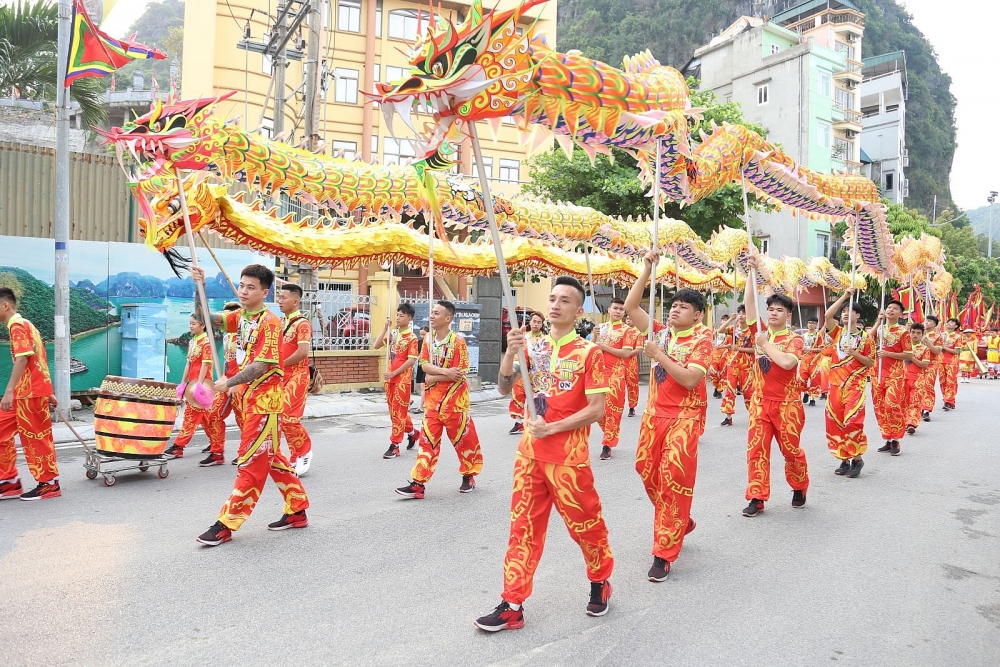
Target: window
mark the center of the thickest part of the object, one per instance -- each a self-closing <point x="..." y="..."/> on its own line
<point x="825" y="83"/>
<point x="889" y="108"/>
<point x="890" y="181"/>
<point x="347" y="86"/>
<point x="508" y="120"/>
<point x="403" y="23"/>
<point x="510" y="170"/>
<point x="765" y="244"/>
<point x="762" y="94"/>
<point x="824" y="131"/>
<point x="487" y="164"/>
<point x="349" y="15"/>
<point x="846" y="49"/>
<point x="374" y="147"/>
<point x="393" y="74"/>
<point x="727" y="98"/>
<point x="349" y="148"/>
<point x="267" y="128"/>
<point x="823" y="245"/>
<point x="844" y="99"/>
<point x="398" y="151"/>
<point x="378" y="18"/>
<point x="775" y="48"/>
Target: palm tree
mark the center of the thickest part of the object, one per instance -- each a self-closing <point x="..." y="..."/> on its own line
<point x="28" y="58"/>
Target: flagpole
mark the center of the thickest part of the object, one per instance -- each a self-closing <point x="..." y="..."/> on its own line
<point x="61" y="285"/>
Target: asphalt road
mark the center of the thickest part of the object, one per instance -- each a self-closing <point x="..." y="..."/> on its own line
<point x="898" y="567"/>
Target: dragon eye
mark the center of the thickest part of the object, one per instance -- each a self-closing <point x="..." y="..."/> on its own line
<point x="157" y="126"/>
<point x="437" y="69"/>
<point x="441" y="66"/>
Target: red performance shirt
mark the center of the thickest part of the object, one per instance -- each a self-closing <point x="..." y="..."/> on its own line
<point x="25" y="341"/>
<point x="920" y="353"/>
<point x="295" y="331"/>
<point x="447" y="397"/>
<point x="402" y="348"/>
<point x="569" y="370"/>
<point x="615" y="335"/>
<point x="257" y="339"/>
<point x="772" y="382"/>
<point x="846" y="371"/>
<point x="199" y="354"/>
<point x="896" y="338"/>
<point x="691" y="349"/>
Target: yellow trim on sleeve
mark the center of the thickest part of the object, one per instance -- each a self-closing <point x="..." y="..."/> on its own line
<point x="25" y="354"/>
<point x="599" y="390"/>
<point x="699" y="367"/>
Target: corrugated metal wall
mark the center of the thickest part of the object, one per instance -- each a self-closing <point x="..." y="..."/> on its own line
<point x="101" y="208"/>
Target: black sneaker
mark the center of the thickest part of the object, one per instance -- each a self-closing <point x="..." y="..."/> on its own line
<point x="910" y="429"/>
<point x="925" y="415"/>
<point x="502" y="618"/>
<point x="412" y="490"/>
<point x="174" y="452"/>
<point x="805" y="398"/>
<point x="798" y="498"/>
<point x="43" y="491"/>
<point x="212" y="460"/>
<point x="716" y="394"/>
<point x="754" y="508"/>
<point x="605" y="453"/>
<point x="235" y="461"/>
<point x="887" y="447"/>
<point x="207" y="450"/>
<point x="296" y="520"/>
<point x="843" y="469"/>
<point x="822" y="397"/>
<point x="411" y="441"/>
<point x="895" y="448"/>
<point x="600" y="598"/>
<point x="516" y="429"/>
<point x="812" y="402"/>
<point x="728" y="421"/>
<point x="468" y="484"/>
<point x="392" y="452"/>
<point x="215" y="535"/>
<point x="856" y="466"/>
<point x="631" y="412"/>
<point x="659" y="571"/>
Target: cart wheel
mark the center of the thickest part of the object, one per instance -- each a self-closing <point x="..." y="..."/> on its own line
<point x="110" y="480"/>
<point x="91" y="474"/>
<point x="162" y="472"/>
<point x="143" y="468"/>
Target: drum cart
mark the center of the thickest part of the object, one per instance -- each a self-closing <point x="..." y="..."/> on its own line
<point x="97" y="463"/>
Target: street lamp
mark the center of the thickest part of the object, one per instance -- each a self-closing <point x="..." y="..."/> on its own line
<point x="992" y="198"/>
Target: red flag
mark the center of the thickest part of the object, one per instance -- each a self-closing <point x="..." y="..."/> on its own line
<point x="92" y="53"/>
<point x="971" y="316"/>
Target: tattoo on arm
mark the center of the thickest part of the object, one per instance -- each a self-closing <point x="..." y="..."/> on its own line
<point x="505" y="383"/>
<point x="253" y="371"/>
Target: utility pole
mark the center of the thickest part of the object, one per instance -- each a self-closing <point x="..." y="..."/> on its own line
<point x="313" y="98"/>
<point x="278" y="65"/>
<point x="989" y="200"/>
<point x="61" y="287"/>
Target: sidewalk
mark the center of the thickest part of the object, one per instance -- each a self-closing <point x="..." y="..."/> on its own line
<point x="317" y="407"/>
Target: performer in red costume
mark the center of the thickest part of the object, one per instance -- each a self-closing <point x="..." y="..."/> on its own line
<point x="296" y="341"/>
<point x="24" y="410"/>
<point x="739" y="338"/>
<point x="951" y="344"/>
<point x="536" y="322"/>
<point x="632" y="366"/>
<point x="403" y="355"/>
<point x="261" y="400"/>
<point x="932" y="341"/>
<point x="776" y="410"/>
<point x="552" y="465"/>
<point x="889" y="376"/>
<point x="919" y="378"/>
<point x="445" y="360"/>
<point x="614" y="340"/>
<point x="667" y="456"/>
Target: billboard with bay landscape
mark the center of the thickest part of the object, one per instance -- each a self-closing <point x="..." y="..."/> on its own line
<point x="103" y="278"/>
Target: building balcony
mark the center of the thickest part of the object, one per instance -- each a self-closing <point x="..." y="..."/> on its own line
<point x="851" y="72"/>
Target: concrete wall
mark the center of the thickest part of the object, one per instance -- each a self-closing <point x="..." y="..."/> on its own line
<point x="489" y="295"/>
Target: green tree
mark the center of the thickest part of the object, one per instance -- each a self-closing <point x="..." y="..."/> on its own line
<point x="615" y="189"/>
<point x="29" y="57"/>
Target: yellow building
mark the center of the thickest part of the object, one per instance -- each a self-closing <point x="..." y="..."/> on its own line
<point x="364" y="42"/>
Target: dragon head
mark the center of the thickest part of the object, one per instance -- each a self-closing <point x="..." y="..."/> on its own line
<point x="176" y="135"/>
<point x="475" y="70"/>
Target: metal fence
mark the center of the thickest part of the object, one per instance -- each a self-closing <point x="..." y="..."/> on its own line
<point x="340" y="320"/>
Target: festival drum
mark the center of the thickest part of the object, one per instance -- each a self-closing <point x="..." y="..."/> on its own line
<point x="134" y="418"/>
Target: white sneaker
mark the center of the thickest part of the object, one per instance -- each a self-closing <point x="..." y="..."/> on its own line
<point x="303" y="462"/>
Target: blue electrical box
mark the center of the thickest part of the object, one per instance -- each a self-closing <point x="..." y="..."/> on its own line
<point x="144" y="341"/>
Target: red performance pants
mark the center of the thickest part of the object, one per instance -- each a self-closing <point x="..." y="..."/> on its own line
<point x="783" y="422"/>
<point x="845" y="420"/>
<point x="718" y="368"/>
<point x="930" y="395"/>
<point x="632" y="381"/>
<point x="517" y="400"/>
<point x="537" y="487"/>
<point x="462" y="433"/>
<point x="949" y="381"/>
<point x="30" y="419"/>
<point x="211" y="421"/>
<point x="296" y="390"/>
<point x="667" y="460"/>
<point x="916" y="396"/>
<point x="889" y="399"/>
<point x="816" y="374"/>
<point x="259" y="456"/>
<point x="614" y="405"/>
<point x="737" y="377"/>
<point x="397" y="394"/>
